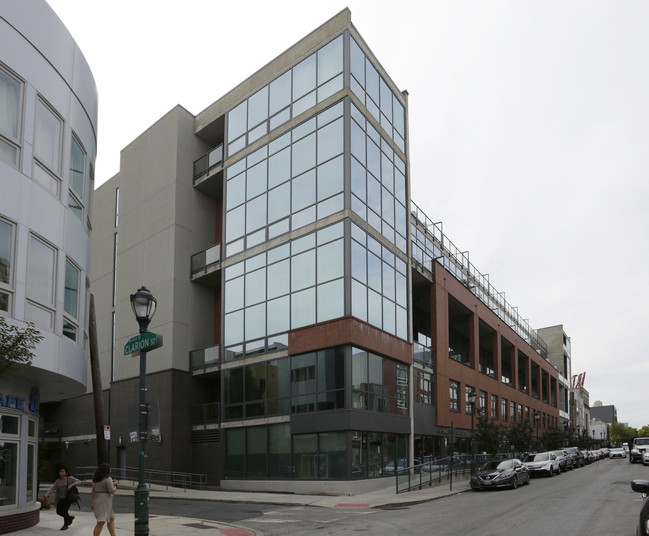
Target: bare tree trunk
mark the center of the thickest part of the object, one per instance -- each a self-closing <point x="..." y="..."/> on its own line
<point x="97" y="393"/>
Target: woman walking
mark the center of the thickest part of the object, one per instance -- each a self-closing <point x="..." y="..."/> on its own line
<point x="103" y="489"/>
<point x="60" y="488"/>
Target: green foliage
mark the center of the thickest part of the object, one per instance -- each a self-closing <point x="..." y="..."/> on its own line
<point x="619" y="433"/>
<point x="487" y="435"/>
<point x="644" y="431"/>
<point x="553" y="439"/>
<point x="17" y="345"/>
<point x="520" y="436"/>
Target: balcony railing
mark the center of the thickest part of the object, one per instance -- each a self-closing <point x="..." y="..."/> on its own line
<point x="204" y="260"/>
<point x="422" y="354"/>
<point x="205" y="359"/>
<point x="204" y="414"/>
<point x="209" y="161"/>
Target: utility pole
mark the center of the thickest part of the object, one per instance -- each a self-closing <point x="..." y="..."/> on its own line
<point x="97" y="392"/>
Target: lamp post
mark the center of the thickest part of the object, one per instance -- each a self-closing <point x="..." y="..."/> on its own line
<point x="537" y="418"/>
<point x="593" y="438"/>
<point x="472" y="397"/>
<point x="144" y="305"/>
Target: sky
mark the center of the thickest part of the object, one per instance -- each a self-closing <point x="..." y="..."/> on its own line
<point x="529" y="136"/>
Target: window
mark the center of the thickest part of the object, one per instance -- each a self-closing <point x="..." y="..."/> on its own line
<point x="424" y="387"/>
<point x="454" y="395"/>
<point x="503" y="409"/>
<point x="77" y="169"/>
<point x="494" y="407"/>
<point x="6" y="263"/>
<point x="512" y="411"/>
<point x="483" y="402"/>
<point x="47" y="148"/>
<point x="467" y="402"/>
<point x="41" y="268"/>
<point x="71" y="301"/>
<point x="10" y="114"/>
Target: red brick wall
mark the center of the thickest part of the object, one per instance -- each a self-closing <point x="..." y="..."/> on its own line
<point x="23" y="520"/>
<point x="348" y="330"/>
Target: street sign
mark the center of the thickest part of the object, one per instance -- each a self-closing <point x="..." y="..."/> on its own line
<point x="143" y="343"/>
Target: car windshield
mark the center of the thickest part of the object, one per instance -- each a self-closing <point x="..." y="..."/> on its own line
<point x="643" y="441"/>
<point x="542" y="457"/>
<point x="497" y="464"/>
<point x="558" y="453"/>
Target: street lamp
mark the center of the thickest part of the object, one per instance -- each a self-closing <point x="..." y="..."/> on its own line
<point x="472" y="397"/>
<point x="537" y="418"/>
<point x="144" y="306"/>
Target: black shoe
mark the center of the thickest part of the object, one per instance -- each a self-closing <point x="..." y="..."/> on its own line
<point x="71" y="520"/>
<point x="64" y="527"/>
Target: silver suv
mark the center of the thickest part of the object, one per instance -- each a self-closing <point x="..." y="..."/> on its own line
<point x="638" y="447"/>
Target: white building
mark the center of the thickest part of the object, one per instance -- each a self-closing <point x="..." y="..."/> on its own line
<point x="48" y="137"/>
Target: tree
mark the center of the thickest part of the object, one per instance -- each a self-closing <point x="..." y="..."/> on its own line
<point x="17" y="345"/>
<point x="619" y="433"/>
<point x="644" y="431"/>
<point x="487" y="435"/>
<point x="553" y="439"/>
<point x="520" y="436"/>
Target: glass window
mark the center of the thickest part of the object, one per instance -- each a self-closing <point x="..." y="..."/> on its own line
<point x="278" y="205"/>
<point x="303" y="155"/>
<point x="280" y="93"/>
<point x="330" y="261"/>
<point x="279" y="167"/>
<point x="304" y="77"/>
<point x="71" y="297"/>
<point x="9" y="471"/>
<point x="237" y="121"/>
<point x="303" y="308"/>
<point x="303" y="270"/>
<point x="40" y="272"/>
<point x="255" y="322"/>
<point x="331" y="178"/>
<point x="256" y="180"/>
<point x="330" y="60"/>
<point x="233" y="328"/>
<point x="278" y="316"/>
<point x="255" y="287"/>
<point x="330" y="141"/>
<point x="10" y="89"/>
<point x="258" y="107"/>
<point x="6" y="249"/>
<point x="256" y="214"/>
<point x="331" y="300"/>
<point x="303" y="191"/>
<point x="235" y="223"/>
<point x="47" y="137"/>
<point x="77" y="167"/>
<point x="236" y="191"/>
<point x="234" y="294"/>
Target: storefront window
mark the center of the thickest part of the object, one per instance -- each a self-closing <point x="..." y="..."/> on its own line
<point x="8" y="471"/>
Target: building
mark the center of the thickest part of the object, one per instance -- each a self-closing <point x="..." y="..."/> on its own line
<point x="559" y="354"/>
<point x="607" y="414"/>
<point x="48" y="126"/>
<point x="320" y="330"/>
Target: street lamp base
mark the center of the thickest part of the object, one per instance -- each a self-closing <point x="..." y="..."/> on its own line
<point x="142" y="510"/>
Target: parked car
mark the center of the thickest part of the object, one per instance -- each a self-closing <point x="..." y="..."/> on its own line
<point x="578" y="459"/>
<point x="499" y="474"/>
<point x="565" y="460"/>
<point x="618" y="452"/>
<point x="642" y="486"/>
<point x="542" y="463"/>
<point x="638" y="448"/>
<point x="645" y="457"/>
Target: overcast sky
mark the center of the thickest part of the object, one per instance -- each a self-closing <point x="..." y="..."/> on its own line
<point x="529" y="136"/>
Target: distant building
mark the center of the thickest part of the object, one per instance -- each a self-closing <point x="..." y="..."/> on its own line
<point x="607" y="414"/>
<point x="320" y="330"/>
<point x="559" y="355"/>
<point x="48" y="126"/>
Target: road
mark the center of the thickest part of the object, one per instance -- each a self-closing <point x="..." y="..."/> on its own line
<point x="595" y="500"/>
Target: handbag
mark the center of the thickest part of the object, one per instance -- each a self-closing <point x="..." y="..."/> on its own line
<point x="73" y="496"/>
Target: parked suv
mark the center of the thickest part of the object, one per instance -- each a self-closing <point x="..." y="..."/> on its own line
<point x="638" y="447"/>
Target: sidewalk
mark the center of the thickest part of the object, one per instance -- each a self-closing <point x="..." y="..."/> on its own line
<point x="84" y="521"/>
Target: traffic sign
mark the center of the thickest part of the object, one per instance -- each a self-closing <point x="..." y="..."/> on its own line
<point x="143" y="343"/>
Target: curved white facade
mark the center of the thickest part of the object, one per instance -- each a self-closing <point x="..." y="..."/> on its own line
<point x="48" y="143"/>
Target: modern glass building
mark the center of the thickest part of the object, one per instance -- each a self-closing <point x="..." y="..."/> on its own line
<point x="315" y="321"/>
<point x="48" y="125"/>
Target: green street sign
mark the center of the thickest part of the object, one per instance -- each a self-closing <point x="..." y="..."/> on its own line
<point x="143" y="343"/>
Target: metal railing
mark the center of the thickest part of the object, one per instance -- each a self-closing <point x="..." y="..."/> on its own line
<point x="205" y="359"/>
<point x="434" y="245"/>
<point x="209" y="161"/>
<point x="152" y="476"/>
<point x="202" y="261"/>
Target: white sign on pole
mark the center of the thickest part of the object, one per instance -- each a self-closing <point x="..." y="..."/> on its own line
<point x="106" y="431"/>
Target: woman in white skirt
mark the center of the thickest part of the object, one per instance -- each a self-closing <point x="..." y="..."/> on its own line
<point x="103" y="489"/>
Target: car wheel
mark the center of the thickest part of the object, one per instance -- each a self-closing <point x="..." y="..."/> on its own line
<point x="515" y="482"/>
<point x="527" y="481"/>
<point x="551" y="472"/>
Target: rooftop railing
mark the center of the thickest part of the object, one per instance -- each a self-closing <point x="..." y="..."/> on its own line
<point x="205" y="359"/>
<point x="204" y="260"/>
<point x="437" y="247"/>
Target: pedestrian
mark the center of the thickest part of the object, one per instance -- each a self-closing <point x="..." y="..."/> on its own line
<point x="103" y="489"/>
<point x="61" y="489"/>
